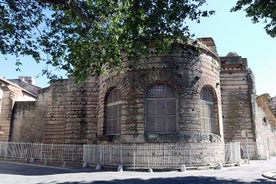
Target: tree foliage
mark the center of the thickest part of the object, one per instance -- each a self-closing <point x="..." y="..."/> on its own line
<point x="85" y="36"/>
<point x="260" y="10"/>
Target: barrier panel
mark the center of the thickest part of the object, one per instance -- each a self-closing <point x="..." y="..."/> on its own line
<point x="154" y="155"/>
<point x="131" y="155"/>
<point x="37" y="151"/>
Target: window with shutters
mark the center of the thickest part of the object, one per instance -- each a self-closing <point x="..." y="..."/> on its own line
<point x="207" y="110"/>
<point x="160" y="104"/>
<point x="113" y="111"/>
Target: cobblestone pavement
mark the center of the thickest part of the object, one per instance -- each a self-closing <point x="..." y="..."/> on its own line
<point x="17" y="173"/>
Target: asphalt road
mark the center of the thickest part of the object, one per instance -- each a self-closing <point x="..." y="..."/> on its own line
<point x="16" y="173"/>
<point x="21" y="169"/>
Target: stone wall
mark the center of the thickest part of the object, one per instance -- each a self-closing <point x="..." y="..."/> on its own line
<point x="273" y="104"/>
<point x="23" y="128"/>
<point x="6" y="113"/>
<point x="265" y="127"/>
<point x="75" y="113"/>
<point x="72" y="112"/>
<point x="10" y="93"/>
<point x="55" y="122"/>
<point x="185" y="70"/>
<point x="29" y="119"/>
<point x="81" y="112"/>
<point x="238" y="98"/>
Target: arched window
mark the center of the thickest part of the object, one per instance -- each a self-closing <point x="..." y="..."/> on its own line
<point x="113" y="112"/>
<point x="160" y="104"/>
<point x="207" y="110"/>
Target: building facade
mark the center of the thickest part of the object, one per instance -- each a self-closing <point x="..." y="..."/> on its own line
<point x="189" y="95"/>
<point x="171" y="98"/>
<point x="10" y="94"/>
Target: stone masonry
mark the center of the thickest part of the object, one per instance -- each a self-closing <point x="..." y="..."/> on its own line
<point x="238" y="98"/>
<point x="10" y="93"/>
<point x="205" y="98"/>
<point x="76" y="113"/>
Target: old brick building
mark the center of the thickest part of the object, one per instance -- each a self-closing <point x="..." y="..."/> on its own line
<point x="188" y="95"/>
<point x="265" y="125"/>
<point x="172" y="98"/>
<point x="246" y="118"/>
<point x="10" y="94"/>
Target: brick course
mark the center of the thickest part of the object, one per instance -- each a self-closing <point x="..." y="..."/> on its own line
<point x="75" y="113"/>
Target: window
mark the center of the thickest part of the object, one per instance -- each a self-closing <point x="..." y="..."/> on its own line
<point x="113" y="112"/>
<point x="207" y="110"/>
<point x="160" y="104"/>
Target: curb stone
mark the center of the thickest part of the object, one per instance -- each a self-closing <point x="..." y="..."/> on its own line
<point x="270" y="175"/>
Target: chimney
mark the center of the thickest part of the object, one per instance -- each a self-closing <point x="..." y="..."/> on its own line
<point x="27" y="79"/>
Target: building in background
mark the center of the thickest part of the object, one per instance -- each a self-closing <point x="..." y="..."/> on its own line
<point x="10" y="94"/>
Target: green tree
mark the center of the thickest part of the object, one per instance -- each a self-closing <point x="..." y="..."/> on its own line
<point x="260" y="10"/>
<point x="82" y="36"/>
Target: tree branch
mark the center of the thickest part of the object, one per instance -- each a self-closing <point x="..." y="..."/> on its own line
<point x="74" y="7"/>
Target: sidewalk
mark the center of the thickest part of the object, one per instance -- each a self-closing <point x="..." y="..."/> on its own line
<point x="270" y="175"/>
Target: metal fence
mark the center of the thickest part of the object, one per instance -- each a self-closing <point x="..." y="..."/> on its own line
<point x="249" y="150"/>
<point x="37" y="151"/>
<point x="236" y="151"/>
<point x="154" y="155"/>
<point x="136" y="155"/>
<point x="232" y="152"/>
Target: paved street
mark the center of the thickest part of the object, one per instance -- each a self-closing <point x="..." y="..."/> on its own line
<point x="16" y="173"/>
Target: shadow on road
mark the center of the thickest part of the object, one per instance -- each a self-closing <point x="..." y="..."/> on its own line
<point x="34" y="170"/>
<point x="177" y="180"/>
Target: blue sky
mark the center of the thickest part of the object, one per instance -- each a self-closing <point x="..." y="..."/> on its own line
<point x="232" y="32"/>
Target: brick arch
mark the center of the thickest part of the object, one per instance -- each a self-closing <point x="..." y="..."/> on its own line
<point x="160" y="108"/>
<point x="215" y="94"/>
<point x="204" y="104"/>
<point x="212" y="83"/>
<point x="112" y="112"/>
<point x="159" y="82"/>
<point x="107" y="84"/>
